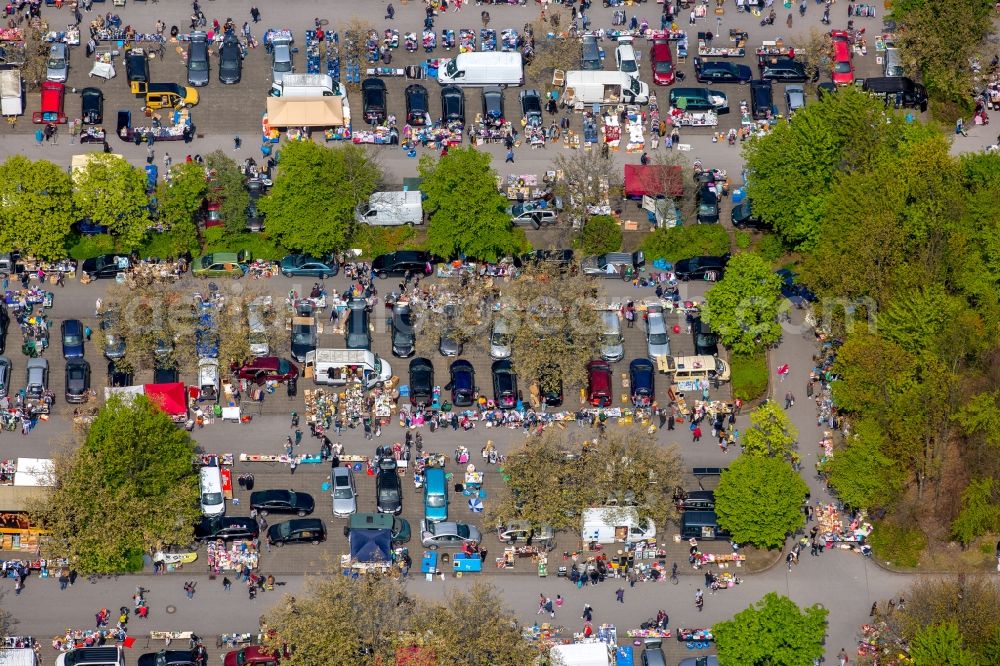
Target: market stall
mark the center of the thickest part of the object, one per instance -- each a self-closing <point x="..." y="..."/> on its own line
<point x="653" y="180"/>
<point x="235" y="556"/>
<point x="181" y="128"/>
<point x="22" y="481"/>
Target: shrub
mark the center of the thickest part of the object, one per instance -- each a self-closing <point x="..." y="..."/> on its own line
<point x="743" y="240"/>
<point x="167" y="244"/>
<point x="373" y="241"/>
<point x="771" y="247"/>
<point x="899" y="545"/>
<point x="749" y="375"/>
<point x="85" y="247"/>
<point x="601" y="234"/>
<point x="683" y="242"/>
<point x="217" y="239"/>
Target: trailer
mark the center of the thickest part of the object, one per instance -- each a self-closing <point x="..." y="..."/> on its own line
<point x="11" y="93"/>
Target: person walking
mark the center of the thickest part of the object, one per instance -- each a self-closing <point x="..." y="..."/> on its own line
<point x="699" y="599"/>
<point x="237" y="142"/>
<point x="549" y="607"/>
<point x="255" y="14"/>
<point x="227" y="584"/>
<point x="842" y="657"/>
<point x="789" y="400"/>
<point x="671" y="421"/>
<point x="390" y="12"/>
<point x="696" y="433"/>
<point x="541" y="604"/>
<point x="588" y="613"/>
<point x="620" y="595"/>
<point x="510" y="156"/>
<point x="189" y="588"/>
<point x="61" y="279"/>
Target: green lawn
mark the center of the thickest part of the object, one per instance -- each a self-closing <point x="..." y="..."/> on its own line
<point x="749" y="376"/>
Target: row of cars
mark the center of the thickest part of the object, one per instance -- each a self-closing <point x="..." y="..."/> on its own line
<point x="374" y="103"/>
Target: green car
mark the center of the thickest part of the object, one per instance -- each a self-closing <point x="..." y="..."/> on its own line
<point x="221" y="264"/>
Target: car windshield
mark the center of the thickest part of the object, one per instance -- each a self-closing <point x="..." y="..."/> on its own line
<point x="436" y="501"/>
<point x="501" y="339"/>
<point x="198" y="65"/>
<point x="629" y="64"/>
<point x="707" y="208"/>
<point x="56" y="62"/>
<point x="663" y="67"/>
<point x="658" y="339"/>
<point x="211" y="498"/>
<point x="285" y="66"/>
<point x="344" y="491"/>
<point x="387" y="494"/>
<point x="462" y="531"/>
<point x="76" y="374"/>
<point x="283" y="366"/>
<point x="303" y="335"/>
<point x="842" y="67"/>
<point x="284" y="529"/>
<point x="610" y="339"/>
<point x="705" y="339"/>
<point x="73" y="339"/>
<point x="452" y="68"/>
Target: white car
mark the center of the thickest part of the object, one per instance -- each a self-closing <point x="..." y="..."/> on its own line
<point x="626" y="58"/>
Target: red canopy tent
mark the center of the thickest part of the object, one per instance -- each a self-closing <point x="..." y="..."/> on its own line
<point x="171" y="398"/>
<point x="653" y="180"/>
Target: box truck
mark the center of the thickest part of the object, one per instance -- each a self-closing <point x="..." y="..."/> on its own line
<point x="614" y="524"/>
<point x="604" y="88"/>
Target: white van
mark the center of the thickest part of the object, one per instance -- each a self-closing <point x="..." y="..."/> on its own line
<point x="690" y="373"/>
<point x="213" y="502"/>
<point x="601" y="87"/>
<point x="613" y="524"/>
<point x="18" y="657"/>
<point x="612" y="347"/>
<point x="93" y="656"/>
<point x="581" y="654"/>
<point x="391" y="209"/>
<point x="480" y="68"/>
<point x="336" y="367"/>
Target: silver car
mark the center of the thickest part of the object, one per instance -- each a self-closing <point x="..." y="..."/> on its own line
<point x="500" y="338"/>
<point x="57" y="66"/>
<point x="795" y="99"/>
<point x="281" y="60"/>
<point x="345" y="495"/>
<point x="612" y="341"/>
<point x="6" y="367"/>
<point x="448" y="535"/>
<point x="657" y="340"/>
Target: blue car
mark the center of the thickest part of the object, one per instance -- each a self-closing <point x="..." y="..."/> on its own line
<point x="294" y="265"/>
<point x="206" y="338"/>
<point x="640" y="373"/>
<point x="462" y="384"/>
<point x="72" y="338"/>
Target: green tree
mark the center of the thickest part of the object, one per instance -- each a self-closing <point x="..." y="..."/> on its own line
<point x="775" y="632"/>
<point x="36" y="207"/>
<point x="128" y="489"/>
<point x="968" y="601"/>
<point x="941" y="645"/>
<point x="111" y="192"/>
<point x="743" y="306"/>
<point x="759" y="501"/>
<point x="863" y="476"/>
<point x="601" y="234"/>
<point x="468" y="215"/>
<point x="179" y="202"/>
<point x="980" y="511"/>
<point x="771" y="433"/>
<point x="227" y="188"/>
<point x="586" y="184"/>
<point x="681" y="242"/>
<point x="322" y="185"/>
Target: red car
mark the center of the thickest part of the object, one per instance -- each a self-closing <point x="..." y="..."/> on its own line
<point x="53" y="100"/>
<point x="662" y="62"/>
<point x="252" y="655"/>
<point x="267" y="369"/>
<point x="599" y="383"/>
<point x="843" y="69"/>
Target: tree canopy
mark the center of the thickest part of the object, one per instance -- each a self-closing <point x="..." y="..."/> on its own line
<point x="128" y="489"/>
<point x="227" y="188"/>
<point x="111" y="192"/>
<point x="601" y="234"/>
<point x="468" y="215"/>
<point x="759" y="501"/>
<point x="743" y="307"/>
<point x="36" y="207"/>
<point x="771" y="432"/>
<point x="774" y="632"/>
<point x="179" y="200"/>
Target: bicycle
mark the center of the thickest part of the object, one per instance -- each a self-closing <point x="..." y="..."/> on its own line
<point x="673" y="575"/>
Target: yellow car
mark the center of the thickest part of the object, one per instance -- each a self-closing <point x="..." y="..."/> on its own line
<point x="170" y="96"/>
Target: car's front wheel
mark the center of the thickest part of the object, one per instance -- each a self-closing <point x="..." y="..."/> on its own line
<point x="301" y="513"/>
<point x="433" y="546"/>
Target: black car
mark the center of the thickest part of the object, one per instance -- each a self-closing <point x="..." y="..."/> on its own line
<point x="703" y="267"/>
<point x="120" y="376"/>
<point x="230" y="60"/>
<point x="105" y="266"/>
<point x="388" y="489"/>
<point x="721" y="71"/>
<point x="417" y="105"/>
<point x="226" y="527"/>
<point x="399" y="263"/>
<point x="357" y="334"/>
<point x="421" y="381"/>
<point x="282" y="501"/>
<point x="743" y="217"/>
<point x="794" y="291"/>
<point x="373" y="100"/>
<point x="297" y="530"/>
<point x="563" y="259"/>
<point x="462" y="383"/>
<point x="255" y="218"/>
<point x="92" y="106"/>
<point x="4" y="325"/>
<point x="493" y="107"/>
<point x="550" y="385"/>
<point x="162" y="375"/>
<point x="403" y="333"/>
<point x="761" y="100"/>
<point x="785" y="69"/>
<point x="77" y="380"/>
<point x="504" y="384"/>
<point x="452" y="104"/>
<point x="708" y="204"/>
<point x="531" y="106"/>
<point x="168" y="658"/>
<point x="706" y="341"/>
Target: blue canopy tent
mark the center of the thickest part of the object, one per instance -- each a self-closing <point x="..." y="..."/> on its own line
<point x="371" y="546"/>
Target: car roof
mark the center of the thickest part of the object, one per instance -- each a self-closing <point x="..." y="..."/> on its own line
<point x="841" y="50"/>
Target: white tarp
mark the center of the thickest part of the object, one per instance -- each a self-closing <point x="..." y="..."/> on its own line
<point x="11" y="93"/>
<point x="34" y="472"/>
<point x="125" y="391"/>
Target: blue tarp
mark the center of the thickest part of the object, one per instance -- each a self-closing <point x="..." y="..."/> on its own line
<point x="371" y="546"/>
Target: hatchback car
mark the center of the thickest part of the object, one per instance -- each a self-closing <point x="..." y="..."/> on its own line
<point x="72" y="338"/>
<point x="706" y="341"/>
<point x="721" y="71"/>
<point x="451" y="342"/>
<point x="709" y="268"/>
<point x="743" y="218"/>
<point x="282" y="501"/>
<point x="591" y="53"/>
<point x="36" y="377"/>
<point x="297" y="530"/>
<point x="520" y="530"/>
<point x="221" y="264"/>
<point x="304" y="265"/>
<point x="226" y="527"/>
<point x="206" y="337"/>
<point x="493" y="106"/>
<point x="162" y="374"/>
<point x="402" y="262"/>
<point x="708" y="205"/>
<point x="267" y="368"/>
<point x="373" y="100"/>
<point x="657" y="340"/>
<point x="197" y="59"/>
<point x="357" y="335"/>
<point x="345" y="494"/>
<point x="661" y="62"/>
<point x="599" y="384"/>
<point x="504" y="384"/>
<point x="77" y="380"/>
<point x="388" y="489"/>
<point x="640" y="374"/>
<point x="795" y="99"/>
<point x="452" y="104"/>
<point x="421" y="382"/>
<point x="120" y="375"/>
<point x="230" y="60"/>
<point x="842" y="73"/>
<point x="417" y="105"/>
<point x="6" y="368"/>
<point x="281" y="60"/>
<point x="535" y="214"/>
<point x="462" y="383"/>
<point x="105" y="266"/>
<point x="448" y="535"/>
<point x="626" y="59"/>
<point x="57" y="65"/>
<point x="402" y="331"/>
<point x="550" y="385"/>
<point x="531" y="106"/>
<point x="92" y="106"/>
<point x="501" y="337"/>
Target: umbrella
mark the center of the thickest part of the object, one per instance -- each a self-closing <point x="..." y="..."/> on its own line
<point x="476" y="505"/>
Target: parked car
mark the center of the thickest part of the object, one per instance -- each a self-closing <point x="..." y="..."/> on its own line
<point x="504" y="384"/>
<point x="282" y="501"/>
<point x="842" y="67"/>
<point x="641" y="382"/>
<point x="761" y="100"/>
<point x="708" y="204"/>
<point x="450" y="343"/>
<point x="169" y="658"/>
<point x="399" y="528"/>
<point x="252" y="655"/>
<point x="221" y="264"/>
<point x="501" y="337"/>
<point x="657" y="339"/>
<point x="794" y="291"/>
<point x="77" y="380"/>
<point x="421" y="381"/>
<point x="57" y="66"/>
<point x="520" y="530"/>
<point x="599" y="392"/>
<point x="120" y="376"/>
<point x="197" y="59"/>
<point x="704" y="268"/>
<point x="105" y="266"/>
<point x="304" y="336"/>
<point x="206" y="337"/>
<point x="161" y="375"/>
<point x="743" y="217"/>
<point x="281" y="60"/>
<point x="358" y="335"/>
<point x="612" y="264"/>
<point x="305" y="265"/>
<point x="230" y="60"/>
<point x="452" y="104"/>
<point x="417" y="105"/>
<point x="661" y="61"/>
<point x="226" y="527"/>
<point x="550" y="385"/>
<point x="448" y="534"/>
<point x="706" y="341"/>
<point x="92" y="106"/>
<point x="114" y="343"/>
<point x="535" y="214"/>
<point x="784" y="69"/>
<point x="36" y="378"/>
<point x="493" y="114"/>
<point x="345" y="494"/>
<point x="267" y="368"/>
<point x="625" y="57"/>
<point x="399" y="263"/>
<point x="795" y="99"/>
<point x="531" y="106"/>
<point x="297" y="530"/>
<point x="6" y="368"/>
<point x="53" y="104"/>
<point x="373" y="100"/>
<point x="4" y="326"/>
<point x="388" y="489"/>
<point x="721" y="71"/>
<point x="402" y="331"/>
<point x="462" y="383"/>
<point x="72" y="338"/>
<point x="255" y="217"/>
